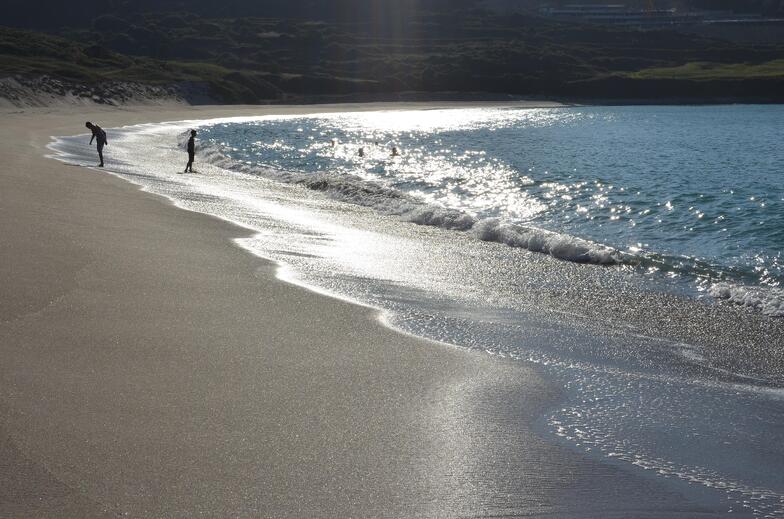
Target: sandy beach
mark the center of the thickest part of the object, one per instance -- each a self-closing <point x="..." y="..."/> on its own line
<point x="152" y="368"/>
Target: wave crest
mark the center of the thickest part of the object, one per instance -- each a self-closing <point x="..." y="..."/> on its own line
<point x="561" y="246"/>
<point x="391" y="201"/>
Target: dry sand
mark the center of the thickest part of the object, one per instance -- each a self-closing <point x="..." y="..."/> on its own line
<point x="151" y="368"/>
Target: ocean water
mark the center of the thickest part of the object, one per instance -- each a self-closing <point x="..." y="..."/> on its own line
<point x="634" y="254"/>
<point x="692" y="192"/>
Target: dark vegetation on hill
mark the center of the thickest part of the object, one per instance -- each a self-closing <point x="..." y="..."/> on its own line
<point x="53" y="14"/>
<point x="242" y="51"/>
<point x="763" y="7"/>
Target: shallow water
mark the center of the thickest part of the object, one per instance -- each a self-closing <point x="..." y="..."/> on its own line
<point x="658" y="374"/>
<point x="696" y="192"/>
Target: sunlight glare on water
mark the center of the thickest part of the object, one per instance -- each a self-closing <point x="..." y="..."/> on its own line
<point x="697" y="196"/>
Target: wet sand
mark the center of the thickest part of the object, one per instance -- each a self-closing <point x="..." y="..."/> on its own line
<point x="152" y="368"/>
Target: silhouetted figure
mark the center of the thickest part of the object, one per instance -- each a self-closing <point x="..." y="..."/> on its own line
<point x="100" y="139"/>
<point x="394" y="151"/>
<point x="361" y="152"/>
<point x="191" y="152"/>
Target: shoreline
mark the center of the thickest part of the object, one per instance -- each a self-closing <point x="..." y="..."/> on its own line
<point x="138" y="380"/>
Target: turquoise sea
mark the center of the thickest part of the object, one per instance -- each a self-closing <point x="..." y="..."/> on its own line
<point x="693" y="192"/>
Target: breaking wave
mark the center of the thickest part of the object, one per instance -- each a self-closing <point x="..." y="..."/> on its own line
<point x="561" y="246"/>
<point x="390" y="201"/>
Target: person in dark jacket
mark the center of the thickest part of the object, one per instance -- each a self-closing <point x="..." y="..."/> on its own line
<point x="191" y="152"/>
<point x="100" y="139"/>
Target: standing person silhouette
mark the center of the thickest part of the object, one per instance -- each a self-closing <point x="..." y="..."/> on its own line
<point x="100" y="139"/>
<point x="191" y="152"/>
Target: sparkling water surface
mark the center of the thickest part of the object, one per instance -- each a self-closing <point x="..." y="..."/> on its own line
<point x="693" y="191"/>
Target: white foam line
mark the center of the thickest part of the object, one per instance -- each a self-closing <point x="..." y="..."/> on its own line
<point x="283" y="271"/>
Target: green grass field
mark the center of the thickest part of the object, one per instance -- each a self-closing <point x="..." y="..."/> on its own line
<point x="714" y="71"/>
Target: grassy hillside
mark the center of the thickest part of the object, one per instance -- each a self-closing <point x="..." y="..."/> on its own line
<point x="252" y="59"/>
<point x="29" y="53"/>
<point x="705" y="71"/>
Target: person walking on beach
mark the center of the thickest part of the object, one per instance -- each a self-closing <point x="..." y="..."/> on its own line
<point x="100" y="139"/>
<point x="191" y="152"/>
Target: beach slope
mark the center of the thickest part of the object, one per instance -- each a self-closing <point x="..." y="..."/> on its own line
<point x="152" y="368"/>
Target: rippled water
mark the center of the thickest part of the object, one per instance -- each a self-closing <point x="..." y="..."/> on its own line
<point x="689" y="191"/>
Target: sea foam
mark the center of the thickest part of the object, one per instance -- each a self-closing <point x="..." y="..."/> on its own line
<point x="769" y="301"/>
<point x="390" y="201"/>
<point x="558" y="245"/>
